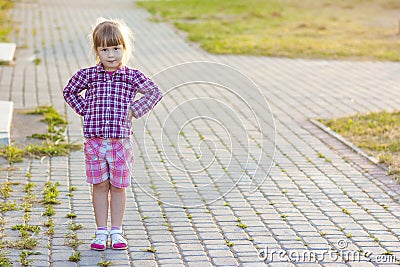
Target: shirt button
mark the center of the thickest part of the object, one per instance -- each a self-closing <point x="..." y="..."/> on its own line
<point x="107" y="122"/>
<point x="108" y="108"/>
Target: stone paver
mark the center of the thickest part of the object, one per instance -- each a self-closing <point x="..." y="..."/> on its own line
<point x="201" y="152"/>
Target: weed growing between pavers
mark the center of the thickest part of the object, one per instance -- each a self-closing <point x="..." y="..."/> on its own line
<point x="5" y="193"/>
<point x="71" y="240"/>
<point x="37" y="61"/>
<point x="53" y="142"/>
<point x="5" y="190"/>
<point x="150" y="249"/>
<point x="75" y="257"/>
<point x="229" y="243"/>
<point x="28" y="233"/>
<point x="12" y="153"/>
<point x="377" y="133"/>
<point x="71" y="237"/>
<point x="50" y="195"/>
<point x="9" y="206"/>
<point x="105" y="263"/>
<point x="24" y="257"/>
<point x="71" y="189"/>
<point x="4" y="261"/>
<point x="240" y="224"/>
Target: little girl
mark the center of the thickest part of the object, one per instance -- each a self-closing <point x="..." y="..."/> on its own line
<point x="107" y="110"/>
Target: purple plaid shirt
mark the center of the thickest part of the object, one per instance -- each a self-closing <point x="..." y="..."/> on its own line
<point x="109" y="98"/>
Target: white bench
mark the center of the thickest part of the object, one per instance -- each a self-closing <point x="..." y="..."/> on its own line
<point x="6" y="114"/>
<point x="7" y="51"/>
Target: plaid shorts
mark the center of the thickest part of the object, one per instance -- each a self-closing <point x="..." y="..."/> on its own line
<point x="108" y="158"/>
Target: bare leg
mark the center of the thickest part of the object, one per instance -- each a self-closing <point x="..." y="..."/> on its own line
<point x="100" y="202"/>
<point x="117" y="202"/>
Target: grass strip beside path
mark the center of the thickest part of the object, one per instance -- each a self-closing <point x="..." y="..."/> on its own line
<point x="329" y="29"/>
<point x="5" y="25"/>
<point x="53" y="142"/>
<point x="376" y="133"/>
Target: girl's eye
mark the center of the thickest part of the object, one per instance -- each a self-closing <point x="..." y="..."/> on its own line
<point x="116" y="48"/>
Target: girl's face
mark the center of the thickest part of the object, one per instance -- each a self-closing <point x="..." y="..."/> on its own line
<point x="110" y="56"/>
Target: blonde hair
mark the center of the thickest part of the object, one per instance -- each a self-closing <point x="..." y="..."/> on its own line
<point x="112" y="32"/>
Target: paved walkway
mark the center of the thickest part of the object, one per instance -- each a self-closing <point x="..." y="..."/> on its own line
<point x="192" y="199"/>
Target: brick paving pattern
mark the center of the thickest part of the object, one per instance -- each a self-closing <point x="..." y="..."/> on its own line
<point x="191" y="198"/>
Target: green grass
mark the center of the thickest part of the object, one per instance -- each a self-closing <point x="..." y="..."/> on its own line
<point x="23" y="257"/>
<point x="50" y="193"/>
<point x="70" y="215"/>
<point x="50" y="149"/>
<point x="229" y="243"/>
<point x="150" y="249"/>
<point x="5" y="24"/>
<point x="75" y="257"/>
<point x="8" y="206"/>
<point x="73" y="226"/>
<point x="4" y="260"/>
<point x="242" y="225"/>
<point x="53" y="143"/>
<point x="55" y="122"/>
<point x="23" y="243"/>
<point x="71" y="240"/>
<point x="353" y="29"/>
<point x="26" y="228"/>
<point x="49" y="211"/>
<point x="5" y="190"/>
<point x="105" y="263"/>
<point x="12" y="153"/>
<point x="378" y="134"/>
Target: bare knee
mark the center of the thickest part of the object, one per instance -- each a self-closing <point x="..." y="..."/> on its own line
<point x="116" y="190"/>
<point x="103" y="187"/>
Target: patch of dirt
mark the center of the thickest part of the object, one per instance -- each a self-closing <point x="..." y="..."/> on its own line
<point x="24" y="125"/>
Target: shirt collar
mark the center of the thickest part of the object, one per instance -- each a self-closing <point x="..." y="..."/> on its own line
<point x="120" y="70"/>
